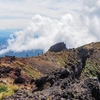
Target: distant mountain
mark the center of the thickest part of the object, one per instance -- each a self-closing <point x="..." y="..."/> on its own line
<point x="24" y="53"/>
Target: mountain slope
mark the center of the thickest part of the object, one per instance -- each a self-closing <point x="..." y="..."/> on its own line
<point x="71" y="74"/>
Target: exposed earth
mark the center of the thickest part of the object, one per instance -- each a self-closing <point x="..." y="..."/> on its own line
<point x="59" y="74"/>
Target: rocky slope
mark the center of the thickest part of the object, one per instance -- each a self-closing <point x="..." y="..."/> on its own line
<point x="72" y="74"/>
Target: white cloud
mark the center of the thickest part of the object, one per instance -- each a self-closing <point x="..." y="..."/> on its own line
<point x="26" y="9"/>
<point x="44" y="32"/>
<point x="13" y="24"/>
<point x="91" y="17"/>
<point x="76" y="28"/>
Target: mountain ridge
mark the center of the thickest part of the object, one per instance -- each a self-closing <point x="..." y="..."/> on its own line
<point x="76" y="72"/>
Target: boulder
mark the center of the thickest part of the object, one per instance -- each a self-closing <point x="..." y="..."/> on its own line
<point x="19" y="80"/>
<point x="40" y="82"/>
<point x="58" y="47"/>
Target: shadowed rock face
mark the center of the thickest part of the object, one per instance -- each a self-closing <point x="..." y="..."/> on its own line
<point x="52" y="77"/>
<point x="58" y="47"/>
<point x="63" y="88"/>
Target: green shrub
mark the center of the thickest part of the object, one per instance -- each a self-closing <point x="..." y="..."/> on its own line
<point x="3" y="88"/>
<point x="7" y="90"/>
<point x="90" y="69"/>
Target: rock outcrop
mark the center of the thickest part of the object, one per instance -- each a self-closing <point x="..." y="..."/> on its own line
<point x="19" y="80"/>
<point x="58" y="47"/>
<point x="55" y="87"/>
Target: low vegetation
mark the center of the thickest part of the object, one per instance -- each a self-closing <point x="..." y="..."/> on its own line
<point x="83" y="61"/>
<point x="7" y="90"/>
<point x="91" y="69"/>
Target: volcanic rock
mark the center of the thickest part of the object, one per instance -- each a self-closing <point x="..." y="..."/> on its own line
<point x="19" y="80"/>
<point x="58" y="47"/>
<point x="72" y="74"/>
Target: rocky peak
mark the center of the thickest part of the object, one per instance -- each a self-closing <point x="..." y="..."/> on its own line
<point x="58" y="47"/>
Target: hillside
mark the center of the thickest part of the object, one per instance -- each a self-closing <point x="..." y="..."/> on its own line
<point x="70" y="74"/>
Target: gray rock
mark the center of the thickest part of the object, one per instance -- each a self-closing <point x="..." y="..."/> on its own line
<point x="58" y="47"/>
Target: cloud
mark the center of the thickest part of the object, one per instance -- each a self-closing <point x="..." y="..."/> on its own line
<point x="91" y="17"/>
<point x="26" y="9"/>
<point x="13" y="23"/>
<point x="73" y="28"/>
<point x="43" y="32"/>
<point x="91" y="8"/>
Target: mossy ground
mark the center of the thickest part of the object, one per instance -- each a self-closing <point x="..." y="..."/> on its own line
<point x="28" y="70"/>
<point x="7" y="90"/>
<point x="95" y="45"/>
<point x="90" y="69"/>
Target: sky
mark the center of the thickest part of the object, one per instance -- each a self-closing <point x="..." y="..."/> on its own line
<point x="46" y="22"/>
<point x="18" y="13"/>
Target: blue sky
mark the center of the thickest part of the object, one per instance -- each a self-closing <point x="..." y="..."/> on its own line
<point x="75" y="22"/>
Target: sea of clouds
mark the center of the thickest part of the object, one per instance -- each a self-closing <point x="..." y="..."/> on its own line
<point x="42" y="32"/>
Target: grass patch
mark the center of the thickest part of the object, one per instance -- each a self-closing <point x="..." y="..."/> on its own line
<point x="90" y="69"/>
<point x="61" y="59"/>
<point x="31" y="72"/>
<point x="3" y="88"/>
<point x="7" y="90"/>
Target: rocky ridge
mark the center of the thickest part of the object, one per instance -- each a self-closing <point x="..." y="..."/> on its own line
<point x="74" y="76"/>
